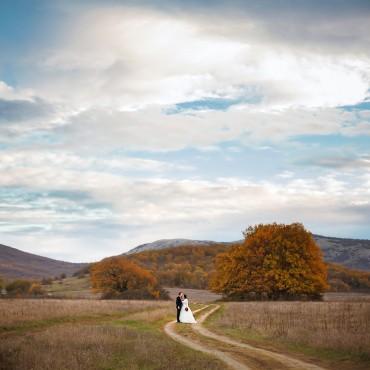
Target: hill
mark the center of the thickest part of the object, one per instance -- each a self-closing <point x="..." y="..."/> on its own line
<point x="352" y="253"/>
<point x="170" y="243"/>
<point x="18" y="264"/>
<point x="190" y="266"/>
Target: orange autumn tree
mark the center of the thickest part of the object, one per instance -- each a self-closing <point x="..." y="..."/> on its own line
<point x="274" y="261"/>
<point x="118" y="277"/>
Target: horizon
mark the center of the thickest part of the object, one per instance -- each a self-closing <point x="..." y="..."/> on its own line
<point x="123" y="122"/>
<point x="155" y="241"/>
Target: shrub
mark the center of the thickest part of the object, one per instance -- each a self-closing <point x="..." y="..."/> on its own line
<point x="118" y="277"/>
<point x="18" y="288"/>
<point x="46" y="281"/>
<point x="277" y="260"/>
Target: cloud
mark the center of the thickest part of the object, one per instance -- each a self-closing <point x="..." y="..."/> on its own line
<point x="23" y="110"/>
<point x="153" y="130"/>
<point x="81" y="204"/>
<point x="145" y="210"/>
<point x="127" y="58"/>
<point x="100" y="102"/>
<point x="351" y="162"/>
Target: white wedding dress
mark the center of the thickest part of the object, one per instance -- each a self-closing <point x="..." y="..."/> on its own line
<point x="186" y="316"/>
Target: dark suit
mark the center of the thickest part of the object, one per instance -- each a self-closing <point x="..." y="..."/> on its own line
<point x="178" y="307"/>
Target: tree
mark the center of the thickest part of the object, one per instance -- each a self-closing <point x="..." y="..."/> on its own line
<point x="118" y="277"/>
<point x="36" y="290"/>
<point x="275" y="260"/>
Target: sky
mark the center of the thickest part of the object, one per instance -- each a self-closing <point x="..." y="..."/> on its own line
<point x="124" y="122"/>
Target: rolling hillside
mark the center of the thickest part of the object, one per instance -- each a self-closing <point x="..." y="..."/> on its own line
<point x="17" y="264"/>
<point x="191" y="266"/>
<point x="352" y="253"/>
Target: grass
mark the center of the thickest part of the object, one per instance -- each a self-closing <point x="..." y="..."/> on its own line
<point x="87" y="334"/>
<point x="335" y="332"/>
<point x="71" y="287"/>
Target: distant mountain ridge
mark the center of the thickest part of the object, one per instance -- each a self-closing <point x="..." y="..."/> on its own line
<point x="15" y="264"/>
<point x="353" y="253"/>
<point x="171" y="243"/>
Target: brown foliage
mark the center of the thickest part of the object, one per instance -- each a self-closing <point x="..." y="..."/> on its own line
<point x="274" y="261"/>
<point x="187" y="266"/>
<point x="36" y="290"/>
<point x="343" y="279"/>
<point x="118" y="277"/>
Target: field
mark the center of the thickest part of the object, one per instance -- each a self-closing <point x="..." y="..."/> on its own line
<point x="99" y="334"/>
<point x="87" y="334"/>
<point x="337" y="333"/>
<point x="71" y="287"/>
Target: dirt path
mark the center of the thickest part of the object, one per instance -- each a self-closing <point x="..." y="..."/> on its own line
<point x="233" y="352"/>
<point x="228" y="359"/>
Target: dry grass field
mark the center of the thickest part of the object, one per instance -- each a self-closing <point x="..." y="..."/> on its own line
<point x="71" y="287"/>
<point x="337" y="331"/>
<point x="86" y="334"/>
<point x="99" y="334"/>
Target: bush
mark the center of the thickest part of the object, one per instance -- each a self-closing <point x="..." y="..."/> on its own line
<point x="277" y="260"/>
<point x="118" y="277"/>
<point x="46" y="281"/>
<point x="18" y="288"/>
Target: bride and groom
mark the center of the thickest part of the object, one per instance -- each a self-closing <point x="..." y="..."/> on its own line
<point x="184" y="313"/>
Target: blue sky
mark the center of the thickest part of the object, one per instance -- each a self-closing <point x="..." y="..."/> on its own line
<point x="126" y="122"/>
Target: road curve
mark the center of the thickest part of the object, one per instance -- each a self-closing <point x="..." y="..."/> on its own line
<point x="289" y="362"/>
<point x="228" y="358"/>
<point x="169" y="329"/>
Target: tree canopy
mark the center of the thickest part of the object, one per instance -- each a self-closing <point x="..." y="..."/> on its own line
<point x="274" y="261"/>
<point x="118" y="277"/>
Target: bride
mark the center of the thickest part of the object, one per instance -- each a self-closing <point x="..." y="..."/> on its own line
<point x="186" y="316"/>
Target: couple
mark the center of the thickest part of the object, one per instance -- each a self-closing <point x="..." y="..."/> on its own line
<point x="184" y="313"/>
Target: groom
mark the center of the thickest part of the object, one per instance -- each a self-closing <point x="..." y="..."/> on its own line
<point x="179" y="305"/>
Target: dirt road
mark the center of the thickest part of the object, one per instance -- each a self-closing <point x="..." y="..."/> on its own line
<point x="235" y="354"/>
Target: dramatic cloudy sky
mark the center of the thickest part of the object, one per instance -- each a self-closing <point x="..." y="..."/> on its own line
<point x="123" y="122"/>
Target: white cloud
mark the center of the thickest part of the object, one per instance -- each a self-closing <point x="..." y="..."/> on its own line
<point x="151" y="129"/>
<point x="126" y="58"/>
<point x="110" y="76"/>
<point x="154" y="207"/>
